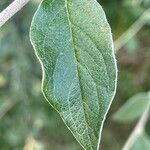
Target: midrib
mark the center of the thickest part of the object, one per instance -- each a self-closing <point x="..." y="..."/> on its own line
<point x="72" y="41"/>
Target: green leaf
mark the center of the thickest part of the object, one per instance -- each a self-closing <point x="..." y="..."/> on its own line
<point x="142" y="142"/>
<point x="132" y="46"/>
<point x="133" y="108"/>
<point x="73" y="42"/>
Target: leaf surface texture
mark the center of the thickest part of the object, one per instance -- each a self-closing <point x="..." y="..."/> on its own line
<point x="73" y="42"/>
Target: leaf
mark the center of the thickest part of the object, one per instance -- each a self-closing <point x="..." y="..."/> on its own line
<point x="146" y="3"/>
<point x="73" y="42"/>
<point x="132" y="46"/>
<point x="142" y="142"/>
<point x="133" y="108"/>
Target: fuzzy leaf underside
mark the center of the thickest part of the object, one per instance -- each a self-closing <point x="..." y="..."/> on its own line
<point x="73" y="42"/>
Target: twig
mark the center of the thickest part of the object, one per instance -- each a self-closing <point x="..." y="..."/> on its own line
<point x="139" y="129"/>
<point x="11" y="10"/>
<point x="133" y="30"/>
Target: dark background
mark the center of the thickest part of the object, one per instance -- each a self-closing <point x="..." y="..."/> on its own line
<point x="26" y="119"/>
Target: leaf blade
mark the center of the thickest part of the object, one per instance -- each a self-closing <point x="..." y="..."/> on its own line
<point x="72" y="55"/>
<point x="133" y="108"/>
<point x="142" y="142"/>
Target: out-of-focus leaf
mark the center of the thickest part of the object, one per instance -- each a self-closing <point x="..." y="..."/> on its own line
<point x="141" y="143"/>
<point x="132" y="45"/>
<point x="8" y="43"/>
<point x="133" y="108"/>
<point x="146" y="3"/>
<point x="74" y="43"/>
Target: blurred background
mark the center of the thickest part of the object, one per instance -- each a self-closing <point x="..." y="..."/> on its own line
<point x="27" y="121"/>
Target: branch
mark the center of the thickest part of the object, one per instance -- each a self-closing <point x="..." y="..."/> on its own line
<point x="11" y="10"/>
<point x="139" y="129"/>
<point x="133" y="30"/>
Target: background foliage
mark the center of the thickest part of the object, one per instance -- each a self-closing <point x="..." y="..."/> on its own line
<point x="26" y="119"/>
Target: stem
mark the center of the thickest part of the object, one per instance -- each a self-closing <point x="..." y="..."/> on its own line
<point x="133" y="30"/>
<point x="139" y="128"/>
<point x="11" y="10"/>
